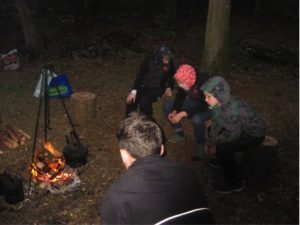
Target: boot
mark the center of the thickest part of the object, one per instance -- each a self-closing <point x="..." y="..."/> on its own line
<point x="198" y="152"/>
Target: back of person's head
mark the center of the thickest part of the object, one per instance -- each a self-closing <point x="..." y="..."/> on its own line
<point x="139" y="136"/>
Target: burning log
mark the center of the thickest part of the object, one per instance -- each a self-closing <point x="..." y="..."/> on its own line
<point x="50" y="171"/>
<point x="55" y="173"/>
<point x="40" y="165"/>
<point x="50" y="148"/>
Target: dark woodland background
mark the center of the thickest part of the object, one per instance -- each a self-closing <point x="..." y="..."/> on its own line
<point x="100" y="44"/>
<point x="53" y="22"/>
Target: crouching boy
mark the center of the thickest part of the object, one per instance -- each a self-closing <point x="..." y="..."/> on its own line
<point x="235" y="127"/>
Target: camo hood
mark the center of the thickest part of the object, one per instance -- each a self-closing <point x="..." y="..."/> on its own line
<point x="218" y="87"/>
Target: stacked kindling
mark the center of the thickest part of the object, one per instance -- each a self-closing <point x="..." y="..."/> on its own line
<point x="12" y="137"/>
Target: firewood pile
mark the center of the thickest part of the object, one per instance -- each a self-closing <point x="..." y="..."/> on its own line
<point x="12" y="137"/>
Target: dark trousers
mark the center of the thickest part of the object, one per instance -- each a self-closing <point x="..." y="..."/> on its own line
<point x="226" y="155"/>
<point x="198" y="119"/>
<point x="144" y="99"/>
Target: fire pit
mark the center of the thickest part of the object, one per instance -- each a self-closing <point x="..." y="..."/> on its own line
<point x="50" y="171"/>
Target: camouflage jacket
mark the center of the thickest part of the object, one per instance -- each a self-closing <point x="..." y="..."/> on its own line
<point x="232" y="117"/>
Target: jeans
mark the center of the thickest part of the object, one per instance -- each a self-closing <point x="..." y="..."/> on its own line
<point x="198" y="120"/>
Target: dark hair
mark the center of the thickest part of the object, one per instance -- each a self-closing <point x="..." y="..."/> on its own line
<point x="139" y="136"/>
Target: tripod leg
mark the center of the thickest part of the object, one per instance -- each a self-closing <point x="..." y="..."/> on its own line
<point x="36" y="131"/>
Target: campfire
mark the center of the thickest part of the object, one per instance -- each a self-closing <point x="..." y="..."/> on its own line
<point x="50" y="171"/>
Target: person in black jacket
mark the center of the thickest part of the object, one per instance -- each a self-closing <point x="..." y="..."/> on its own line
<point x="154" y="79"/>
<point x="152" y="188"/>
<point x="189" y="102"/>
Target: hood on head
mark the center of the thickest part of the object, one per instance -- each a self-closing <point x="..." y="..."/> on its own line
<point x="160" y="52"/>
<point x="218" y="87"/>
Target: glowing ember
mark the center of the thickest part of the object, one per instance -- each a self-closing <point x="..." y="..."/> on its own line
<point x="53" y="176"/>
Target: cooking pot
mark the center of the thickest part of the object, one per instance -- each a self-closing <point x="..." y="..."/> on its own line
<point x="75" y="153"/>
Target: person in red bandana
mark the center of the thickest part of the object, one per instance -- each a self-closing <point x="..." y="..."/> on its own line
<point x="189" y="103"/>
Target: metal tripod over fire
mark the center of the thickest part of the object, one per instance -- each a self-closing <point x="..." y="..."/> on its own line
<point x="74" y="154"/>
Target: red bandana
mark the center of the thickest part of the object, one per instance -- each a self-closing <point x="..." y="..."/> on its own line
<point x="186" y="75"/>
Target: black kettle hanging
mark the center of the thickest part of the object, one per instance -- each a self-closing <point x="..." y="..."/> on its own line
<point x="75" y="153"/>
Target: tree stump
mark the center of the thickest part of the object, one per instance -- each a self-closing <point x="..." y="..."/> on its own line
<point x="83" y="108"/>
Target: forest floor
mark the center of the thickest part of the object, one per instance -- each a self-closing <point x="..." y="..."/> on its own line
<point x="104" y="61"/>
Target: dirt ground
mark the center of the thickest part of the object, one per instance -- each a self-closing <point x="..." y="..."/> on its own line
<point x="105" y="62"/>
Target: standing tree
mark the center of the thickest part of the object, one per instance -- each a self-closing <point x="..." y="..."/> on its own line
<point x="216" y="55"/>
<point x="33" y="42"/>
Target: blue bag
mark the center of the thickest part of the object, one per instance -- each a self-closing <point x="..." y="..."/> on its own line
<point x="61" y="83"/>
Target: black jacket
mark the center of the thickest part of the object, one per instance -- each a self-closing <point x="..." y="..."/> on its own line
<point x="152" y="189"/>
<point x="195" y="94"/>
<point x="151" y="75"/>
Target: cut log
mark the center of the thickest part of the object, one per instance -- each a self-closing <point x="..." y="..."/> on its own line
<point x="83" y="108"/>
<point x="7" y="142"/>
<point x="40" y="165"/>
<point x="10" y="135"/>
<point x="15" y="134"/>
<point x="27" y="136"/>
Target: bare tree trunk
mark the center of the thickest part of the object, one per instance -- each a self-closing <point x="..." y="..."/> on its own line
<point x="32" y="39"/>
<point x="216" y="55"/>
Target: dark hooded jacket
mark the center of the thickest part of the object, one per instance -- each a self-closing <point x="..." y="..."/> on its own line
<point x="232" y="117"/>
<point x="152" y="189"/>
<point x="151" y="74"/>
<point x="194" y="94"/>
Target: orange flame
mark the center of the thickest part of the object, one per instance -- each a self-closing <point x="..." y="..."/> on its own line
<point x="50" y="147"/>
<point x="52" y="171"/>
